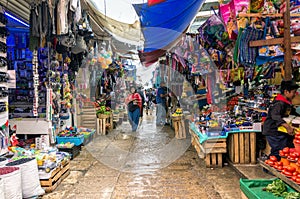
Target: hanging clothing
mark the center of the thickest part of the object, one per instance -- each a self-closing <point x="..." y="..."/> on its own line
<point x="75" y="6"/>
<point x="62" y="17"/>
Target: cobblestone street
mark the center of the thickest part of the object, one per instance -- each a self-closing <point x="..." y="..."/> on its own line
<point x="148" y="164"/>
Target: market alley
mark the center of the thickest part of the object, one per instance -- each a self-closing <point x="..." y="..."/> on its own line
<point x="148" y="164"/>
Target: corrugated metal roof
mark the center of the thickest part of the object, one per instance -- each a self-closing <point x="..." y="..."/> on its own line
<point x="20" y="8"/>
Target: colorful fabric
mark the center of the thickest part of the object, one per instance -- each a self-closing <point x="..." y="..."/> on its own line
<point x="248" y="54"/>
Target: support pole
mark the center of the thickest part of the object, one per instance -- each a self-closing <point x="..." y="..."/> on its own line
<point x="287" y="43"/>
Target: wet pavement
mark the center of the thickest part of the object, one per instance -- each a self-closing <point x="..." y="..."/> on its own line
<point x="150" y="163"/>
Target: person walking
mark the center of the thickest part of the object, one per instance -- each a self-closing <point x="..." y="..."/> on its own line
<point x="149" y="98"/>
<point x="134" y="107"/>
<point x="161" y="105"/>
<point x="141" y="92"/>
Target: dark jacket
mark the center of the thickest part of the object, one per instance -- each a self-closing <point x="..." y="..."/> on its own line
<point x="279" y="109"/>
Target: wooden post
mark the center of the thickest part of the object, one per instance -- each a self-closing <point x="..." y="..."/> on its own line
<point x="287" y="43"/>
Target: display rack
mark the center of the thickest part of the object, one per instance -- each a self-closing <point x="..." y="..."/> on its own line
<point x="4" y="130"/>
<point x="281" y="176"/>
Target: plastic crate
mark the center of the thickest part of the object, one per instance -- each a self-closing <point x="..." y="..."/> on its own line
<point x="76" y="140"/>
<point x="253" y="189"/>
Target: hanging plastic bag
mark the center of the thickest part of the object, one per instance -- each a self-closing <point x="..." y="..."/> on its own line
<point x="227" y="12"/>
<point x="214" y="33"/>
<point x="80" y="45"/>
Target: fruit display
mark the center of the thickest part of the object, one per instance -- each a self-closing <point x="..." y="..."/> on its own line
<point x="101" y="108"/>
<point x="177" y="113"/>
<point x="69" y="132"/>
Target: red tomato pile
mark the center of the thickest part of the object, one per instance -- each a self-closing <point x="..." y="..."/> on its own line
<point x="273" y="162"/>
<point x="297" y="139"/>
<point x="290" y="154"/>
<point x="289" y="171"/>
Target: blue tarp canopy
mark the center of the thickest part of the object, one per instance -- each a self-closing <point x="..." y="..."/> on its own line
<point x="164" y="22"/>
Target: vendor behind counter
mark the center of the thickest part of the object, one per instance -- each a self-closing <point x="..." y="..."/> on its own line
<point x="280" y="108"/>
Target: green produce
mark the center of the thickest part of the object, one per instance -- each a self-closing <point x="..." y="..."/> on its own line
<point x="277" y="187"/>
<point x="291" y="195"/>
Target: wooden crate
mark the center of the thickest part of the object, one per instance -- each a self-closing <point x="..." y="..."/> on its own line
<point x="212" y="150"/>
<point x="57" y="176"/>
<point x="196" y="144"/>
<point x="242" y="148"/>
<point x="214" y="160"/>
<point x="179" y="127"/>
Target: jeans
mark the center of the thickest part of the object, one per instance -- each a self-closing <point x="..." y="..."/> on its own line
<point x="278" y="142"/>
<point x="134" y="118"/>
<point x="160" y="114"/>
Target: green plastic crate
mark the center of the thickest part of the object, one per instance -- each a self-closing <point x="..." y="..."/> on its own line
<point x="253" y="189"/>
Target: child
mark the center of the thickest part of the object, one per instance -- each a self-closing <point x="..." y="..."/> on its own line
<point x="280" y="108"/>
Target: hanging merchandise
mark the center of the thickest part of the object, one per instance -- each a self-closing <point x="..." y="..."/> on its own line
<point x="35" y="83"/>
<point x="247" y="54"/>
<point x="269" y="53"/>
<point x="213" y="32"/>
<point x="229" y="13"/>
<point x="104" y="58"/>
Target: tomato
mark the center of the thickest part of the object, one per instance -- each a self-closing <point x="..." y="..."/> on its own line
<point x="287" y="173"/>
<point x="267" y="161"/>
<point x="280" y="168"/>
<point x="280" y="163"/>
<point x="295" y="173"/>
<point x="286" y="150"/>
<point x="298" y="176"/>
<point x="290" y="169"/>
<point x="293" y="155"/>
<point x="271" y="163"/>
<point x="298" y="180"/>
<point x="292" y="150"/>
<point x="297" y="136"/>
<point x="275" y="166"/>
<point x="286" y="154"/>
<point x="294" y="178"/>
<point x="297" y="141"/>
<point x="273" y="158"/>
<point x="281" y="153"/>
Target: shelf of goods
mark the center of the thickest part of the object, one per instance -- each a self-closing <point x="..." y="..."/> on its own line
<point x="278" y="174"/>
<point x="53" y="179"/>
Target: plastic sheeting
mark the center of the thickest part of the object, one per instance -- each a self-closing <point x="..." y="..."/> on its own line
<point x="163" y="23"/>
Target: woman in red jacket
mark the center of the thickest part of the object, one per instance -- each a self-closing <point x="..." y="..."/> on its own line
<point x="134" y="106"/>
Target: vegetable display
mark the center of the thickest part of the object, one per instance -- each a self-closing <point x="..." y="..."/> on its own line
<point x="278" y="188"/>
